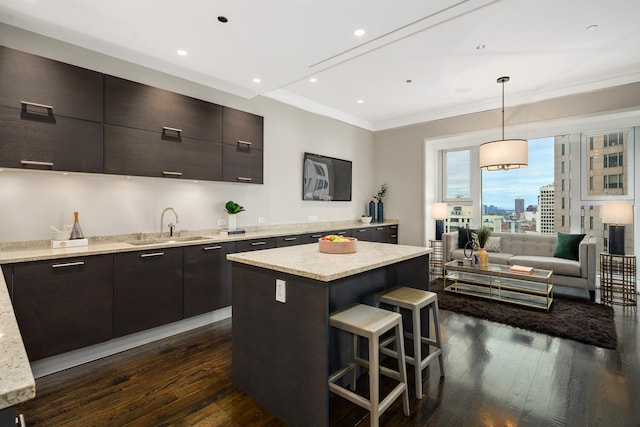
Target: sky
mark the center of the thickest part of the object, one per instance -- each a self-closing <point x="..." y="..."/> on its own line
<point x="501" y="188"/>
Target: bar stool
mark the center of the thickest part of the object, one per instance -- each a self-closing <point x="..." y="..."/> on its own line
<point x="414" y="300"/>
<point x="371" y="323"/>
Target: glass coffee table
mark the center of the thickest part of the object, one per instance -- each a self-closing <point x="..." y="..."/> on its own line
<point x="496" y="282"/>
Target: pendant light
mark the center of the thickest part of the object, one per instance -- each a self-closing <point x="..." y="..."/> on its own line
<point x="504" y="154"/>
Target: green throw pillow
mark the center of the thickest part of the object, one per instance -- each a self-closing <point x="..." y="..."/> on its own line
<point x="568" y="246"/>
<point x="462" y="236"/>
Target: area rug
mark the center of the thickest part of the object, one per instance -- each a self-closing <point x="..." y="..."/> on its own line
<point x="573" y="318"/>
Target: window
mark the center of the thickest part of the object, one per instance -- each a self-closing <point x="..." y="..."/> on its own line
<point x="612" y="160"/>
<point x="613" y="181"/>
<point x="458" y="174"/>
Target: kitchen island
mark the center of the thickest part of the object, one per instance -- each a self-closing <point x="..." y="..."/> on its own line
<point x="283" y="352"/>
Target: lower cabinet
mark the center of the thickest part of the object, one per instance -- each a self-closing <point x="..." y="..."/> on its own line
<point x="256" y="244"/>
<point x="207" y="278"/>
<point x="147" y="289"/>
<point x="63" y="305"/>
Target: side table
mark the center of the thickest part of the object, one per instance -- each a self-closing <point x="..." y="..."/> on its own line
<point x="435" y="258"/>
<point x="618" y="279"/>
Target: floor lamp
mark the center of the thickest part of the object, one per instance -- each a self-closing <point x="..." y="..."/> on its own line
<point x="439" y="212"/>
<point x="616" y="214"/>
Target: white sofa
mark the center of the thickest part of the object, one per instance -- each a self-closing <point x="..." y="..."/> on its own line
<point x="536" y="250"/>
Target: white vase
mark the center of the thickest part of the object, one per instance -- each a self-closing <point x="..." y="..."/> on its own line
<point x="231" y="222"/>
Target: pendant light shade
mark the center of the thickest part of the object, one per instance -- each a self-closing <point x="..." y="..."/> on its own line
<point x="506" y="153"/>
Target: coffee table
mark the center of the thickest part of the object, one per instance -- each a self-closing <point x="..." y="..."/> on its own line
<point x="496" y="282"/>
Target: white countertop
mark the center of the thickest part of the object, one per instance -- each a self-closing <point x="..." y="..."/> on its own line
<point x="29" y="253"/>
<point x="16" y="379"/>
<point x="308" y="261"/>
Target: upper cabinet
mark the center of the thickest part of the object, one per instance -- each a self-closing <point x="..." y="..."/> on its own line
<point x="43" y="87"/>
<point x="139" y="106"/>
<point x="242" y="134"/>
<point x="50" y="114"/>
<point x="56" y="116"/>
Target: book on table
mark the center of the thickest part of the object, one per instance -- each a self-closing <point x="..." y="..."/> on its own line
<point x="521" y="269"/>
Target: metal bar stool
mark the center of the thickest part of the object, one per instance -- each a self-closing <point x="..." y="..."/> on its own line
<point x="414" y="300"/>
<point x="371" y="323"/>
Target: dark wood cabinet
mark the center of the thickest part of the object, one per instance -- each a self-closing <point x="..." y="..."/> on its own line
<point x="240" y="127"/>
<point x="312" y="237"/>
<point x="255" y="244"/>
<point x="292" y="240"/>
<point x="363" y="234"/>
<point x="147" y="289"/>
<point x="242" y="155"/>
<point x="392" y="234"/>
<point x="138" y="106"/>
<point x="242" y="163"/>
<point x="32" y="83"/>
<point x="63" y="305"/>
<point x="138" y="152"/>
<point x="207" y="278"/>
<point x="379" y="233"/>
<point x="32" y="142"/>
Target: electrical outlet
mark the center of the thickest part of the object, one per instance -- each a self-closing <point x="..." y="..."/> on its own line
<point x="281" y="291"/>
<point x="261" y="220"/>
<point x="222" y="222"/>
<point x="312" y="218"/>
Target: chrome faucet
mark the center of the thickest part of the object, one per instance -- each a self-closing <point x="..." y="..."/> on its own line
<point x="171" y="225"/>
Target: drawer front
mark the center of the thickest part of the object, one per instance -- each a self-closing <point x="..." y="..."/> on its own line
<point x="241" y="164"/>
<point x="240" y="127"/>
<point x="140" y="106"/>
<point x="255" y="244"/>
<point x="143" y="153"/>
<point x="50" y="143"/>
<point x="71" y="91"/>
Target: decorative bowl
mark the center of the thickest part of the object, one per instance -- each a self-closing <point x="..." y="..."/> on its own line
<point x="329" y="247"/>
<point x="365" y="219"/>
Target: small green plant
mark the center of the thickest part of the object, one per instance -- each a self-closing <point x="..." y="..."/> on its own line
<point x="232" y="207"/>
<point x="483" y="234"/>
<point x="381" y="193"/>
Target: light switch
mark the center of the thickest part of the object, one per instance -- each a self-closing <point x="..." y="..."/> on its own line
<point x="281" y="290"/>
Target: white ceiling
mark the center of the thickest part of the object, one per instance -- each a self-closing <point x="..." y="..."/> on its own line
<point x="543" y="45"/>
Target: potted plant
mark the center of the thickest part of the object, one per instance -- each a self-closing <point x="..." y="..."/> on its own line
<point x="379" y="196"/>
<point x="232" y="209"/>
<point x="483" y="234"/>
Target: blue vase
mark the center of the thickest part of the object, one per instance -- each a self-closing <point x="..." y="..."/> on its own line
<point x="372" y="211"/>
<point x="380" y="212"/>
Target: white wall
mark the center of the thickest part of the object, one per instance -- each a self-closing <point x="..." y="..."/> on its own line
<point x="116" y="205"/>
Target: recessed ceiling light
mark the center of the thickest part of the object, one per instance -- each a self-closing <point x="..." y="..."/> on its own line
<point x="360" y="101"/>
<point x="182" y="52"/>
<point x="480" y="47"/>
<point x="408" y="81"/>
<point x="256" y="80"/>
<point x="359" y="32"/>
<point x="223" y="19"/>
<point x="592" y="27"/>
<point x="313" y="80"/>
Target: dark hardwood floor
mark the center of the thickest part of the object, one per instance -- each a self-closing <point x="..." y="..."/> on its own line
<point x="496" y="375"/>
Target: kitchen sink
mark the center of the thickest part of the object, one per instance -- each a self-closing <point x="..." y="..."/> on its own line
<point x="167" y="240"/>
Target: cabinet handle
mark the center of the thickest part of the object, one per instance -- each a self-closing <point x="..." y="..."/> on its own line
<point x="35" y="163"/>
<point x="380" y="228"/>
<point x="210" y="248"/>
<point x="26" y="104"/>
<point x="290" y="239"/>
<point x="171" y="173"/>
<point x="316" y="235"/>
<point x="362" y="231"/>
<point x="258" y="243"/>
<point x="393" y="227"/>
<point x="393" y="236"/>
<point x="244" y="178"/>
<point x="244" y="142"/>
<point x="68" y="264"/>
<point x="152" y="254"/>
<point x="166" y="129"/>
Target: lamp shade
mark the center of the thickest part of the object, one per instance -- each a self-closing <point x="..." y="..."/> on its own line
<point x="504" y="154"/>
<point x="617" y="212"/>
<point x="439" y="211"/>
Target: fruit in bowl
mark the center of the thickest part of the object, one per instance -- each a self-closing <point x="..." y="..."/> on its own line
<point x="336" y="244"/>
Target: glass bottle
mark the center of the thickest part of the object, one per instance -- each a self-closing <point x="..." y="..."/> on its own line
<point x="76" y="231"/>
